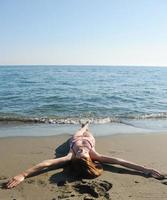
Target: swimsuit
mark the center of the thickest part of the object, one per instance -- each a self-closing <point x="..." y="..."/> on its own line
<point x="86" y="142"/>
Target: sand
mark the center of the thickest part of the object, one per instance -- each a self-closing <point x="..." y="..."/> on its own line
<point x="116" y="183"/>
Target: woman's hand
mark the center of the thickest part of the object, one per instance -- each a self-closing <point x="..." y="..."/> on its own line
<point x="15" y="181"/>
<point x="153" y="173"/>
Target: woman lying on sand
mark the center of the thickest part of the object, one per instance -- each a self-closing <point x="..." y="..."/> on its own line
<point x="85" y="160"/>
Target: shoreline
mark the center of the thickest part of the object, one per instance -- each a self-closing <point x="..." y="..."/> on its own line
<point x="106" y="129"/>
<point x="19" y="153"/>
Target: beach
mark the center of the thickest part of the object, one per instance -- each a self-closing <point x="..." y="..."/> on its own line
<point x="20" y="153"/>
<point x="42" y="106"/>
<point x="67" y="64"/>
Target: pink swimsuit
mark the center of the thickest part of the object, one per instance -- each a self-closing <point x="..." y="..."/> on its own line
<point x="85" y="142"/>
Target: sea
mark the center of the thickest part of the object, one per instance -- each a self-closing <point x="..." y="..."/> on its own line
<point x="46" y="100"/>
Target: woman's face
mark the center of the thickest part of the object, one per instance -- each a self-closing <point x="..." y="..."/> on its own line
<point x="82" y="153"/>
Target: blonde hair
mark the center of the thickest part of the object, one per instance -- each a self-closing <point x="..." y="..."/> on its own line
<point x="86" y="168"/>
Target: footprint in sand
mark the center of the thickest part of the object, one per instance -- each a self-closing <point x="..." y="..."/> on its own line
<point x="98" y="188"/>
<point x="86" y="189"/>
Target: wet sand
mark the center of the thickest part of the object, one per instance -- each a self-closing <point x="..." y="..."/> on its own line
<point x="116" y="183"/>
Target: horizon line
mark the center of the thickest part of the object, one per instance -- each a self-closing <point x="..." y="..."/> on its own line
<point x="75" y="65"/>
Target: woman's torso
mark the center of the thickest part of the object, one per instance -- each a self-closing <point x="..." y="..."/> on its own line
<point x="78" y="142"/>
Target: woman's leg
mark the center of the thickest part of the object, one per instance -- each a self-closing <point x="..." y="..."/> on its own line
<point x="82" y="130"/>
<point x="85" y="133"/>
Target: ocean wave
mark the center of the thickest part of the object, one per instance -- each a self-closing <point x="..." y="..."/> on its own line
<point x="162" y="115"/>
<point x="58" y="120"/>
<point x="79" y="120"/>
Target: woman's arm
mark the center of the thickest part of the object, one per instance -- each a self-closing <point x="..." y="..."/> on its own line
<point x="46" y="163"/>
<point x="112" y="160"/>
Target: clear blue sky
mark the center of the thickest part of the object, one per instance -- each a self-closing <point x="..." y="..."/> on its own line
<point x="104" y="32"/>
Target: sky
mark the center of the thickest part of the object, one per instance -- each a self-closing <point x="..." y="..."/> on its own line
<point x="83" y="32"/>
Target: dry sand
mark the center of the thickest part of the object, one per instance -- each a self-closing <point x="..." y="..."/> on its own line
<point x="116" y="183"/>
